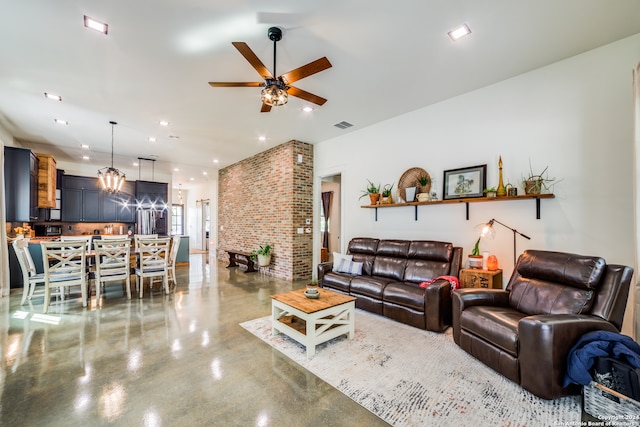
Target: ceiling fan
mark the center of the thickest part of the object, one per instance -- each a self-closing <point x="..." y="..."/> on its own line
<point x="277" y="89"/>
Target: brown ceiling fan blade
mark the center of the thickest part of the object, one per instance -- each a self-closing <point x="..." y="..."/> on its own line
<point x="294" y="91"/>
<point x="265" y="108"/>
<point x="255" y="62"/>
<point x="236" y="84"/>
<point x="307" y="70"/>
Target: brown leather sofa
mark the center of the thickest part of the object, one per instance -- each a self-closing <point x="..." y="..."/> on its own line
<point x="526" y="331"/>
<point x="391" y="275"/>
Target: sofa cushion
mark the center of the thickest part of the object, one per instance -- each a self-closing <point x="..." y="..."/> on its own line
<point x="339" y="261"/>
<point x="393" y="248"/>
<point x="434" y="251"/>
<point x="555" y="282"/>
<point x="420" y="270"/>
<point x="405" y="294"/>
<point x="367" y="262"/>
<point x="339" y="281"/>
<point x="584" y="272"/>
<point x="363" y="245"/>
<point x="370" y="286"/>
<point x="532" y="296"/>
<point x="392" y="268"/>
<point x="351" y="267"/>
<point x="494" y="324"/>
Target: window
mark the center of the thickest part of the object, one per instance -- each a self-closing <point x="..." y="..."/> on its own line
<point x="177" y="216"/>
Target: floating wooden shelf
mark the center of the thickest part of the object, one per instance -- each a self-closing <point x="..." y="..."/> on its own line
<point x="466" y="201"/>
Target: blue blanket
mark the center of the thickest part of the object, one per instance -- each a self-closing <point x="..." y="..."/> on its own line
<point x="594" y="344"/>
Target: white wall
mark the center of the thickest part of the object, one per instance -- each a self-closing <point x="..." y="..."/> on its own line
<point x="574" y="116"/>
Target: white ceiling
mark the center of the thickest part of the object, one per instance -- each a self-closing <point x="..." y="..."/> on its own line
<point x="389" y="57"/>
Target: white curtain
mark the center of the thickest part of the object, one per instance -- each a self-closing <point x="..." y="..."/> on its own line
<point x="634" y="298"/>
<point x="4" y="247"/>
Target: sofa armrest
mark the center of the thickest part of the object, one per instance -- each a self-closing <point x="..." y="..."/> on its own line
<point x="437" y="305"/>
<point x="323" y="268"/>
<point x="468" y="297"/>
<point x="544" y="344"/>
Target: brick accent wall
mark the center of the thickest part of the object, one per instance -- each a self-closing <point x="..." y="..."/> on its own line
<point x="265" y="199"/>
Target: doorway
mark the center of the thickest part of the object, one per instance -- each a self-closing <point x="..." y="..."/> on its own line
<point x="201" y="244"/>
<point x="330" y="216"/>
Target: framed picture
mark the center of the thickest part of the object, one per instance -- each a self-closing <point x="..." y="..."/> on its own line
<point x="465" y="182"/>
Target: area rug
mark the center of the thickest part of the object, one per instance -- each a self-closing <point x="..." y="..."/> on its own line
<point x="411" y="377"/>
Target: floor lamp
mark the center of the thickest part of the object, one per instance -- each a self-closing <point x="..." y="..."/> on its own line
<point x="488" y="231"/>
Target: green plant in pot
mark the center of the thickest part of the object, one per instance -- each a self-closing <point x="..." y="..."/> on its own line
<point x="490" y="192"/>
<point x="424" y="183"/>
<point x="263" y="255"/>
<point x="475" y="259"/>
<point x="537" y="183"/>
<point x="387" y="198"/>
<point x="372" y="191"/>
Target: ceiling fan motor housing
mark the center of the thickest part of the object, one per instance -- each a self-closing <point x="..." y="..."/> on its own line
<point x="275" y="34"/>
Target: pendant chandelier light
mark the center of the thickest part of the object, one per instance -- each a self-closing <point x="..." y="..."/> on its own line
<point x="111" y="178"/>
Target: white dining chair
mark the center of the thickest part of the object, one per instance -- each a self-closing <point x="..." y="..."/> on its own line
<point x="83" y="238"/>
<point x="65" y="265"/>
<point x="114" y="236"/>
<point x="112" y="263"/>
<point x="173" y="254"/>
<point x="30" y="279"/>
<point x="153" y="261"/>
<point x="137" y="237"/>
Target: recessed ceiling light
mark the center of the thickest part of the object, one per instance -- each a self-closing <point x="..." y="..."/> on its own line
<point x="95" y="25"/>
<point x="262" y="138"/>
<point x="176" y="170"/>
<point x="459" y="32"/>
<point x="164" y="123"/>
<point x="204" y="173"/>
<point x="136" y="164"/>
<point x="85" y="157"/>
<point x="152" y="139"/>
<point x="307" y="109"/>
<point x="52" y="96"/>
<point x="192" y="179"/>
<point x="61" y="122"/>
<point x="85" y="146"/>
<point x="216" y="161"/>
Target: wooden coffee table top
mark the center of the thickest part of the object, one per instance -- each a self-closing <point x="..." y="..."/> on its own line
<point x="327" y="299"/>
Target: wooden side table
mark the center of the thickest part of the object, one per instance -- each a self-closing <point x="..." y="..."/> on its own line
<point x="475" y="278"/>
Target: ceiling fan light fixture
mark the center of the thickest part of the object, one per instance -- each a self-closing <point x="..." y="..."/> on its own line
<point x="275" y="94"/>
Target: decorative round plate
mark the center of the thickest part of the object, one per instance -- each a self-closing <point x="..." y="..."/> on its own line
<point x="410" y="179"/>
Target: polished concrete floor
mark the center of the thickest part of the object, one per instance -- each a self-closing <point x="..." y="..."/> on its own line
<point x="164" y="360"/>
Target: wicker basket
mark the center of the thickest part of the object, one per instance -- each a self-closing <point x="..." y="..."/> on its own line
<point x="605" y="404"/>
<point x="410" y="179"/>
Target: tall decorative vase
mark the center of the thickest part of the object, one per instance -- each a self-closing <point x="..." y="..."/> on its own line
<point x="501" y="190"/>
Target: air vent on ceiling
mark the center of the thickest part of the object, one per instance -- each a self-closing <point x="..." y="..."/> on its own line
<point x="343" y="125"/>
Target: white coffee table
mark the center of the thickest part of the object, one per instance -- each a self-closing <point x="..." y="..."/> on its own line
<point x="313" y="321"/>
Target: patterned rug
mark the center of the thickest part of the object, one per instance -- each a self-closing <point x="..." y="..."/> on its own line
<point x="411" y="377"/>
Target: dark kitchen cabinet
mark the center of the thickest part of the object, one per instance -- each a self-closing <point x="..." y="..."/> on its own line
<point x="80" y="199"/>
<point x="120" y="206"/>
<point x="84" y="201"/>
<point x="21" y="184"/>
<point x="153" y="197"/>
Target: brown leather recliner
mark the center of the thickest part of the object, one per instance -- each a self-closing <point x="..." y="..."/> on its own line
<point x="526" y="331"/>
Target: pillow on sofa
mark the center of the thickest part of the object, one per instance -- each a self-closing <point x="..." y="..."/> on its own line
<point x="351" y="267"/>
<point x="339" y="260"/>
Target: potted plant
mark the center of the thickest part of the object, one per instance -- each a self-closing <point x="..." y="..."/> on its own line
<point x="372" y="191"/>
<point x="475" y="259"/>
<point x="537" y="183"/>
<point x="263" y="255"/>
<point x="387" y="198"/>
<point x="424" y="183"/>
<point x="490" y="192"/>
